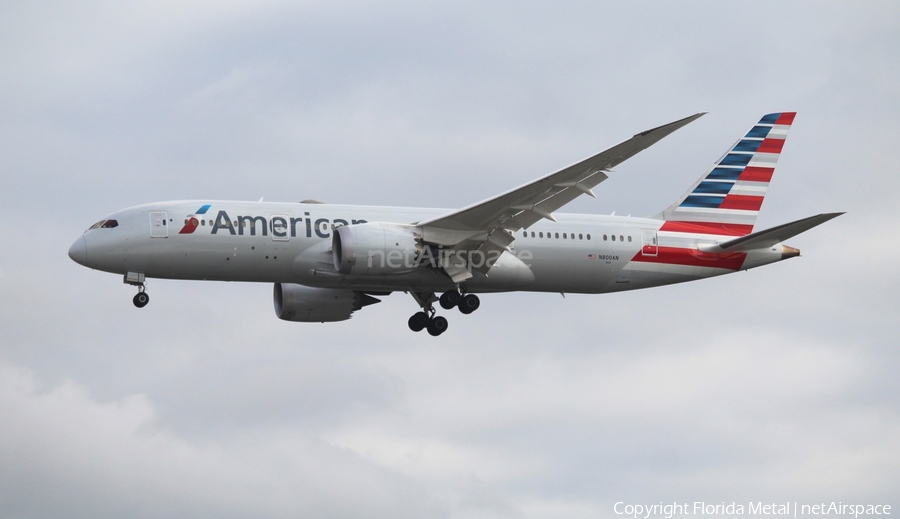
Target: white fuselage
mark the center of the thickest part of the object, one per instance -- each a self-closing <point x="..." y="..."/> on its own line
<point x="292" y="242"/>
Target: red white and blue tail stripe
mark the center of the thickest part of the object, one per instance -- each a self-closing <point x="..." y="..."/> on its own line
<point x="726" y="201"/>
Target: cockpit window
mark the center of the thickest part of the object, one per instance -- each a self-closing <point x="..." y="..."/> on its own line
<point x="104" y="224"/>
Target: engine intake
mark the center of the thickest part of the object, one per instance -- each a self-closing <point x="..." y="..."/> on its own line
<point x="375" y="249"/>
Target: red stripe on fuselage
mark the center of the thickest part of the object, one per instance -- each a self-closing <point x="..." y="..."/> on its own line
<point x="694" y="258"/>
<point x="719" y="229"/>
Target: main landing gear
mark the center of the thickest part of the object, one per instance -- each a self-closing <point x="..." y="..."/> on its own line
<point x="137" y="279"/>
<point x="436" y="324"/>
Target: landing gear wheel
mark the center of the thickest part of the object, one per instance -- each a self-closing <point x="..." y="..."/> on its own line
<point x="469" y="304"/>
<point x="449" y="299"/>
<point x="141" y="299"/>
<point x="418" y="321"/>
<point x="437" y="326"/>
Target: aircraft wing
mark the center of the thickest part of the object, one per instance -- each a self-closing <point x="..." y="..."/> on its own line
<point x="487" y="226"/>
<point x="523" y="206"/>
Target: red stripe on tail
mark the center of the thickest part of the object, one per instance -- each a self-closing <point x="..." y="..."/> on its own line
<point x="771" y="146"/>
<point x="719" y="229"/>
<point x="786" y="118"/>
<point x="756" y="174"/>
<point x="742" y="202"/>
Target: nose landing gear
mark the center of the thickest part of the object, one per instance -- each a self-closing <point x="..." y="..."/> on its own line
<point x="141" y="299"/>
<point x="137" y="279"/>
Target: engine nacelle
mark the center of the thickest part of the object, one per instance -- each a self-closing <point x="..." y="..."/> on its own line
<point x="301" y="303"/>
<point x="375" y="249"/>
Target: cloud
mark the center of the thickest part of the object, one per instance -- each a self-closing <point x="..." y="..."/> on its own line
<point x="67" y="453"/>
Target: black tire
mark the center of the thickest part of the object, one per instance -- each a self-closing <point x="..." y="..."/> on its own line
<point x="449" y="299"/>
<point x="418" y="321"/>
<point x="141" y="299"/>
<point x="469" y="304"/>
<point x="437" y="326"/>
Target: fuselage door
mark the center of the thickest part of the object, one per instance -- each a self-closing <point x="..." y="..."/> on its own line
<point x="651" y="247"/>
<point x="159" y="225"/>
<point x="279" y="227"/>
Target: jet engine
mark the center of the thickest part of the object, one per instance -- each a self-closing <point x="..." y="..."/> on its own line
<point x="375" y="249"/>
<point x="301" y="303"/>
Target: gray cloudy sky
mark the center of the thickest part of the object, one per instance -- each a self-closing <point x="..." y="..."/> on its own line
<point x="776" y="384"/>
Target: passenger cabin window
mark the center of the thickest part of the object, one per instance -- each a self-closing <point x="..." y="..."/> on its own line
<point x="629" y="238"/>
<point x="557" y="236"/>
<point x="541" y="234"/>
<point x="604" y="237"/>
<point x="580" y="236"/>
<point x="614" y="237"/>
<point x="589" y="236"/>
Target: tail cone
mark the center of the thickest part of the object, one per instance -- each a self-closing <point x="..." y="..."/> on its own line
<point x="789" y="252"/>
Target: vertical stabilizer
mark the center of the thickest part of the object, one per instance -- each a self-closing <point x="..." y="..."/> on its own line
<point x="726" y="200"/>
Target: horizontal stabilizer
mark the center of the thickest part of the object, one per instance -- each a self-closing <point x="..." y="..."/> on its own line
<point x="769" y="237"/>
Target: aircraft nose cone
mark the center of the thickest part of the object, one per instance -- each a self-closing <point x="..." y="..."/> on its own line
<point x="78" y="251"/>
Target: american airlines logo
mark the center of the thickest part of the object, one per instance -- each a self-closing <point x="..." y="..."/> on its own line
<point x="191" y="225"/>
<point x="278" y="226"/>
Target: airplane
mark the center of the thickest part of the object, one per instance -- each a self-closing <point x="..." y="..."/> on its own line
<point x="327" y="261"/>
